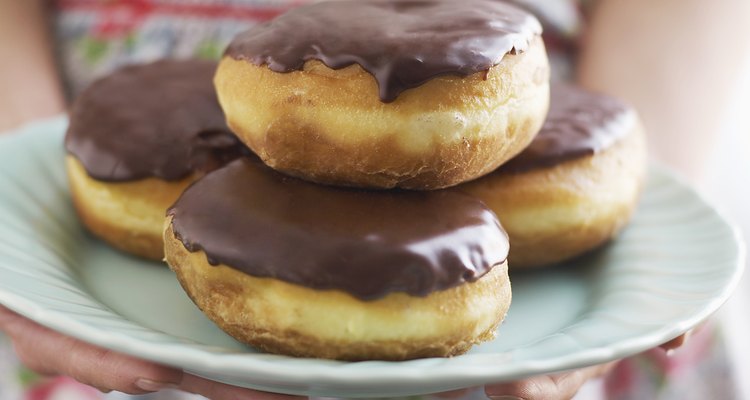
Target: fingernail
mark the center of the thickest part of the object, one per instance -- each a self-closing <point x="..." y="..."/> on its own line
<point x="148" y="385"/>
<point x="505" y="398"/>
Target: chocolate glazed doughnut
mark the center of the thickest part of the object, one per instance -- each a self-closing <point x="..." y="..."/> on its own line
<point x="308" y="270"/>
<point x="382" y="94"/>
<point x="136" y="140"/>
<point x="577" y="184"/>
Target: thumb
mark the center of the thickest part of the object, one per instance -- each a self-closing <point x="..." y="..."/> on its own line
<point x="51" y="353"/>
<point x="548" y="387"/>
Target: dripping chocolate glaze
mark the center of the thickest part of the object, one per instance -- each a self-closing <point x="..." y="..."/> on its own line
<point x="402" y="43"/>
<point x="157" y="120"/>
<point x="368" y="244"/>
<point x="579" y="123"/>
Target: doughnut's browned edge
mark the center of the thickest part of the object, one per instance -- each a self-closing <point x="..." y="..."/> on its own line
<point x="289" y="319"/>
<point x="114" y="211"/>
<point x="556" y="213"/>
<point x="329" y="126"/>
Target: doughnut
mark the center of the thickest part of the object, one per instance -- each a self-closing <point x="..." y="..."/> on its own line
<point x="307" y="270"/>
<point x="137" y="138"/>
<point x="575" y="186"/>
<point x="388" y="93"/>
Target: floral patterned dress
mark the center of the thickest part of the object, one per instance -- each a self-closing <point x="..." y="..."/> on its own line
<point x="96" y="36"/>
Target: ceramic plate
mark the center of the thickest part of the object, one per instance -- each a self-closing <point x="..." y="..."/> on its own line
<point x="672" y="268"/>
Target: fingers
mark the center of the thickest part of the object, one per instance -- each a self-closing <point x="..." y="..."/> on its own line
<point x="551" y="387"/>
<point x="675" y="343"/>
<point x="6" y="317"/>
<point x="681" y="340"/>
<point x="51" y="353"/>
<point x="106" y="369"/>
<point x="218" y="391"/>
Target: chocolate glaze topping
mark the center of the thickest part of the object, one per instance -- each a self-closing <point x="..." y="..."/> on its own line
<point x="368" y="244"/>
<point x="580" y="123"/>
<point x="402" y="43"/>
<point x="158" y="120"/>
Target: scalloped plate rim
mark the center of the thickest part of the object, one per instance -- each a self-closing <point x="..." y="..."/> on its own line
<point x="329" y="374"/>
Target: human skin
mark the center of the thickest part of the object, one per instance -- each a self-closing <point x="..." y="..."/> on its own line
<point x="678" y="62"/>
<point x="30" y="87"/>
<point x="50" y="353"/>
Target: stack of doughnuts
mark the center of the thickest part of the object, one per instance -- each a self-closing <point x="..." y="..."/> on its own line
<point x="351" y="206"/>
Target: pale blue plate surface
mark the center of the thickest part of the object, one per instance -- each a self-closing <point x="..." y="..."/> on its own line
<point x="672" y="268"/>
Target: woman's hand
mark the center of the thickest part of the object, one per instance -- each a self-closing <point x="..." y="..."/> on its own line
<point x="548" y="387"/>
<point x="50" y="353"/>
<point x="561" y="386"/>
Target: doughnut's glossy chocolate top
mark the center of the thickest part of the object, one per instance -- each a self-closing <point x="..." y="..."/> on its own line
<point x="402" y="43"/>
<point x="158" y="120"/>
<point x="368" y="244"/>
<point x="579" y="123"/>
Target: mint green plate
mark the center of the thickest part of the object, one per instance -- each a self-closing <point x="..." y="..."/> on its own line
<point x="671" y="269"/>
